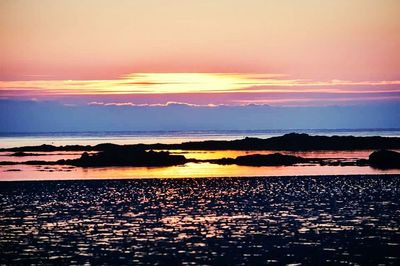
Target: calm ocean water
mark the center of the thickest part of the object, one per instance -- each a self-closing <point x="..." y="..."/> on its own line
<point x="295" y="215"/>
<point x="193" y="170"/>
<point x="133" y="137"/>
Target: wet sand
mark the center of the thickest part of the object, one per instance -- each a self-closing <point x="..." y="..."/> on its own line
<point x="220" y="221"/>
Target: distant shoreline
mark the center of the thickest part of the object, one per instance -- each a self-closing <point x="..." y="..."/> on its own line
<point x="287" y="142"/>
<point x="278" y="131"/>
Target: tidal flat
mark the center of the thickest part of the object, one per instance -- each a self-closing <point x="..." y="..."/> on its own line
<point x="210" y="221"/>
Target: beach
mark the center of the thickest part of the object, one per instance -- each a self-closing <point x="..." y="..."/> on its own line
<point x="306" y="220"/>
<point x="295" y="199"/>
<point x="199" y="132"/>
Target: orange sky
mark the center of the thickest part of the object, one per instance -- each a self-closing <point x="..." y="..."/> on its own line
<point x="307" y="49"/>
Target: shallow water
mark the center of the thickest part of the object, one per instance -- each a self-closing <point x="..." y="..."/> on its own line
<point x="192" y="170"/>
<point x="309" y="220"/>
<point x="27" y="172"/>
<point x="60" y="172"/>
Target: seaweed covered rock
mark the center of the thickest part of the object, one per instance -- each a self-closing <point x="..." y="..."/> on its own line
<point x="117" y="156"/>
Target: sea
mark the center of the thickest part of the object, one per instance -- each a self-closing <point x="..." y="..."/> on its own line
<point x="17" y="139"/>
<point x="197" y="213"/>
<point x="189" y="170"/>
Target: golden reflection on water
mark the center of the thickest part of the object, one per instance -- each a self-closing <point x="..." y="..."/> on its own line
<point x="207" y="155"/>
<point x="214" y="170"/>
<point x="191" y="170"/>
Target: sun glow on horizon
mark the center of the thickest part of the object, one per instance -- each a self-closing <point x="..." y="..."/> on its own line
<point x="232" y="88"/>
<point x="149" y="83"/>
<point x="166" y="83"/>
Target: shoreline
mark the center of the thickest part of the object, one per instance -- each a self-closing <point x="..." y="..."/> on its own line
<point x="158" y="154"/>
<point x="286" y="142"/>
<point x="252" y="157"/>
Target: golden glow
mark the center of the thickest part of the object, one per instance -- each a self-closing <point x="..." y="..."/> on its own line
<point x="149" y="83"/>
<point x="189" y="170"/>
<point x="218" y="154"/>
<point x="101" y="39"/>
<point x="168" y="83"/>
<point x="192" y="170"/>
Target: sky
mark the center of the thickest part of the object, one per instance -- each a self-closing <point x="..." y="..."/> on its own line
<point x="200" y="54"/>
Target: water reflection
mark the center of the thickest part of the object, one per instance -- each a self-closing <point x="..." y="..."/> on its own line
<point x="193" y="170"/>
<point x="324" y="220"/>
<point x="206" y="155"/>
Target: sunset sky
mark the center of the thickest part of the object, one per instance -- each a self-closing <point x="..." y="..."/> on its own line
<point x="200" y="53"/>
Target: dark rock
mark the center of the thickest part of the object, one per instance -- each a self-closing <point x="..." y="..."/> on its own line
<point x="117" y="156"/>
<point x="362" y="162"/>
<point x="22" y="154"/>
<point x="276" y="159"/>
<point x="384" y="159"/>
<point x="292" y="142"/>
<point x="288" y="142"/>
